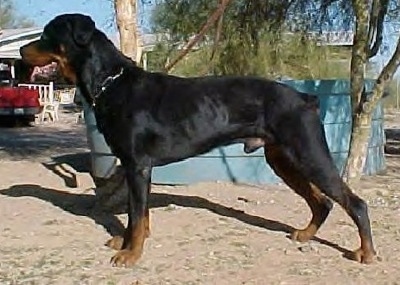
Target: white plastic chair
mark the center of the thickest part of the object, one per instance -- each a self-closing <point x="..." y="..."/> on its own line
<point x="47" y="100"/>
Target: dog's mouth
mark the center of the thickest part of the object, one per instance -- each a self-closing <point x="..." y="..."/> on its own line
<point x="34" y="55"/>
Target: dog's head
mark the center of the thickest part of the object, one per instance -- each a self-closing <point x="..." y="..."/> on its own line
<point x="62" y="40"/>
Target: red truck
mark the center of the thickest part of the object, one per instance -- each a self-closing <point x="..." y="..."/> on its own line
<point x="16" y="102"/>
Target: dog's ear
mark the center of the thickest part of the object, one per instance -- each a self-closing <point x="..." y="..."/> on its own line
<point x="82" y="29"/>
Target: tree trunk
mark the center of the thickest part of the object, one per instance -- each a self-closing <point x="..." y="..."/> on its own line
<point x="364" y="106"/>
<point x="360" y="127"/>
<point x="126" y="16"/>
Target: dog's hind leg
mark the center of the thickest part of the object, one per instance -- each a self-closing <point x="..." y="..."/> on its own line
<point x="333" y="186"/>
<point x="303" y="143"/>
<point x="320" y="205"/>
<point x="358" y="211"/>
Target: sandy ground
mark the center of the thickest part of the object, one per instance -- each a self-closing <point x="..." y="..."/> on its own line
<point x="210" y="233"/>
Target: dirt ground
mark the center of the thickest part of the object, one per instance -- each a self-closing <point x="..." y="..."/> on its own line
<point x="209" y="233"/>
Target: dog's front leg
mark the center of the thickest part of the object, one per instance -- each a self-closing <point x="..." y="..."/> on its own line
<point x="138" y="179"/>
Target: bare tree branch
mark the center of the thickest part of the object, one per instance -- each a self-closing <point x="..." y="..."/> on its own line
<point x="375" y="34"/>
<point x="210" y="21"/>
<point x="384" y="77"/>
<point x="217" y="36"/>
<point x="373" y="21"/>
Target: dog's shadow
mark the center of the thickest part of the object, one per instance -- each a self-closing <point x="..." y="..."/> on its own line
<point x="76" y="204"/>
<point x="84" y="205"/>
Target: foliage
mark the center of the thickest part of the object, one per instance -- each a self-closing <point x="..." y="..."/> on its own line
<point x="250" y="45"/>
<point x="9" y="18"/>
<point x="296" y="60"/>
<point x="252" y="25"/>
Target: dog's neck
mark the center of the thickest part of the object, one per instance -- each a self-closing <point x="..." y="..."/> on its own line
<point x="103" y="61"/>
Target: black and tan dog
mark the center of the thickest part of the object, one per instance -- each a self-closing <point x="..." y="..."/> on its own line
<point x="152" y="119"/>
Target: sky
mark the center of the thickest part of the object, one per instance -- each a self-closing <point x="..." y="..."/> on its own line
<point x="42" y="11"/>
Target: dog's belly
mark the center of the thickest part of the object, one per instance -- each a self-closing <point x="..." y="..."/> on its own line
<point x="249" y="145"/>
<point x="180" y="152"/>
<point x="177" y="150"/>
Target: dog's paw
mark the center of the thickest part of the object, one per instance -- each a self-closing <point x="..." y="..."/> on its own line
<point x="363" y="256"/>
<point x="115" y="242"/>
<point x="125" y="258"/>
<point x="301" y="235"/>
